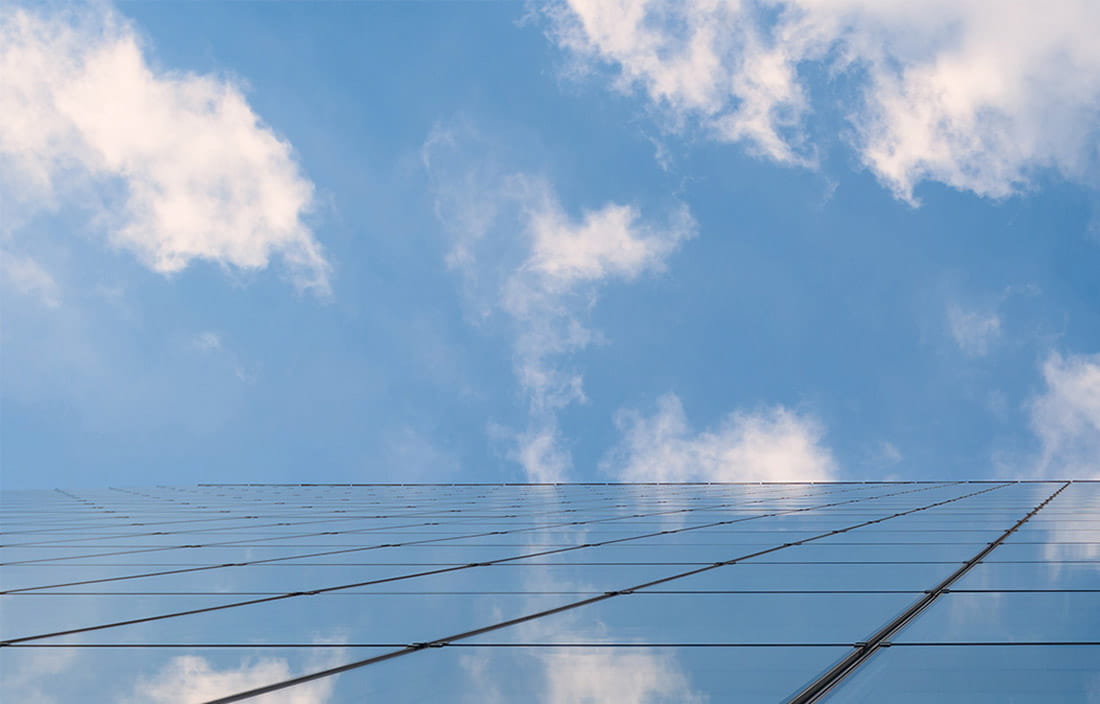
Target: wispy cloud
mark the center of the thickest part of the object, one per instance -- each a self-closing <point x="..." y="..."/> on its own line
<point x="28" y="676"/>
<point x="1066" y="418"/>
<point x="772" y="444"/>
<point x="212" y="344"/>
<point x="976" y="94"/>
<point x="882" y="455"/>
<point x="184" y="168"/>
<point x="207" y="341"/>
<point x="522" y="254"/>
<point x="974" y="330"/>
<point x="27" y="277"/>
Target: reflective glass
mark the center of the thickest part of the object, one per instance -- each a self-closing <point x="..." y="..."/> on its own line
<point x="611" y="675"/>
<point x="1008" y="617"/>
<point x="975" y="675"/>
<point x="590" y="593"/>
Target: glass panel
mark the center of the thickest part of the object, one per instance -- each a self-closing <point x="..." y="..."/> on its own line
<point x="756" y="631"/>
<point x="709" y="617"/>
<point x="658" y="675"/>
<point x="1047" y="551"/>
<point x="815" y="552"/>
<point x="975" y="675"/>
<point x="397" y="619"/>
<point x="1031" y="575"/>
<point x="1008" y="617"/>
<point x="110" y="676"/>
<point x="790" y="577"/>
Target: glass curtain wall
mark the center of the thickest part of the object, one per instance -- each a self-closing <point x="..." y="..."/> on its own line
<point x="792" y="592"/>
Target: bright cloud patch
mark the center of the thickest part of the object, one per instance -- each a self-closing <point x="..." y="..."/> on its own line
<point x="775" y="444"/>
<point x="190" y="679"/>
<point x="976" y="94"/>
<point x="1066" y="418"/>
<point x="610" y="242"/>
<point x="606" y="675"/>
<point x="201" y="176"/>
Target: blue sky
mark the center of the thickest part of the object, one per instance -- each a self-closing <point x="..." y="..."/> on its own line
<point x="292" y="242"/>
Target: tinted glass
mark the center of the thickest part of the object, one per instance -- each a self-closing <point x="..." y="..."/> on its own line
<point x="599" y="593"/>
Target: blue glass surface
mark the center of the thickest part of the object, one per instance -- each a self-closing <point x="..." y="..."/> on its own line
<point x="708" y="617"/>
<point x="659" y="675"/>
<point x="976" y="675"/>
<point x="1008" y="617"/>
<point x="393" y="566"/>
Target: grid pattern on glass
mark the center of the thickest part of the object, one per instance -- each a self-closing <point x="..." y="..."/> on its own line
<point x="652" y="592"/>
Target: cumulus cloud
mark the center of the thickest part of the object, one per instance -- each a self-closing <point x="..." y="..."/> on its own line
<point x="973" y="330"/>
<point x="1066" y="418"/>
<point x="184" y="168"/>
<point x="522" y="254"/>
<point x="774" y="444"/>
<point x="976" y="94"/>
<point x="190" y="679"/>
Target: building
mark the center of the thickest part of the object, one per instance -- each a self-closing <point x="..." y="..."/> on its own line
<point x="841" y="592"/>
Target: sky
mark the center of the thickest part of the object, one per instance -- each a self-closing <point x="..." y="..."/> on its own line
<point x="551" y="241"/>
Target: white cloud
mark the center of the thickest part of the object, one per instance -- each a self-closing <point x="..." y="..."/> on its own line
<point x="615" y="676"/>
<point x="28" y="278"/>
<point x="522" y="254"/>
<point x="185" y="168"/>
<point x="1066" y="418"/>
<point x="976" y="94"/>
<point x="539" y="450"/>
<point x="973" y="330"/>
<point x="550" y="290"/>
<point x="774" y="444"/>
<point x="610" y="242"/>
<point x="701" y="59"/>
<point x="190" y="679"/>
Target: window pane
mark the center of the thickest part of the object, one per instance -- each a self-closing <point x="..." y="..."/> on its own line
<point x="975" y="675"/>
<point x="1008" y="617"/>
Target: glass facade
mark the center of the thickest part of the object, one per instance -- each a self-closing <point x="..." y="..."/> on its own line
<point x="792" y="592"/>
